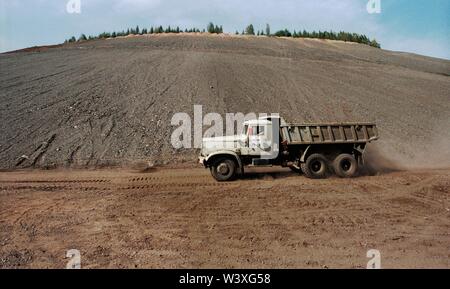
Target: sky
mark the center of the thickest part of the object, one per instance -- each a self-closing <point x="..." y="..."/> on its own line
<point x="417" y="26"/>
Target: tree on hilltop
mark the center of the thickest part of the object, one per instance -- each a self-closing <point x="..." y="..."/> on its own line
<point x="250" y="30"/>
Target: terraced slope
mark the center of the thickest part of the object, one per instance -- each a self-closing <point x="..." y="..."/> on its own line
<point x="111" y="101"/>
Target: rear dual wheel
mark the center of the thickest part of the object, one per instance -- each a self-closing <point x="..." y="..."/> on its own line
<point x="345" y="166"/>
<point x="315" y="167"/>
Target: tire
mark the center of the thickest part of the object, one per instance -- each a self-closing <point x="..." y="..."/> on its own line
<point x="345" y="166"/>
<point x="223" y="170"/>
<point x="315" y="167"/>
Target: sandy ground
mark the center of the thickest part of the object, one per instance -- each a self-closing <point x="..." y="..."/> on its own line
<point x="111" y="101"/>
<point x="182" y="218"/>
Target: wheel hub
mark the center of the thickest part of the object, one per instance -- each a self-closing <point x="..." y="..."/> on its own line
<point x="316" y="166"/>
<point x="345" y="165"/>
<point x="223" y="169"/>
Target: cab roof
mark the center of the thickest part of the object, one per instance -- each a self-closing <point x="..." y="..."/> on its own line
<point x="257" y="122"/>
<point x="264" y="120"/>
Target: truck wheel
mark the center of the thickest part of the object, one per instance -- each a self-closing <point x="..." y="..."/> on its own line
<point x="315" y="167"/>
<point x="345" y="166"/>
<point x="223" y="170"/>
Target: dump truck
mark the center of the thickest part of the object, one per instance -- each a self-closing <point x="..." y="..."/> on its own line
<point x="315" y="150"/>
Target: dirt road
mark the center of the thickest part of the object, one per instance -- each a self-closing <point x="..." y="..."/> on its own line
<point x="183" y="218"/>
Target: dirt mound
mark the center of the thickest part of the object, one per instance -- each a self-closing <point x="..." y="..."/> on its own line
<point x="110" y="102"/>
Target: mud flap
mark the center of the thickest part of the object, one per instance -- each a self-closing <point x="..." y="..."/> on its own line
<point x="359" y="153"/>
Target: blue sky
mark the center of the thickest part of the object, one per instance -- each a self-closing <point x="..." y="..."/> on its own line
<point x="418" y="26"/>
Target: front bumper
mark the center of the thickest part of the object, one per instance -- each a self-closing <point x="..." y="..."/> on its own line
<point x="201" y="160"/>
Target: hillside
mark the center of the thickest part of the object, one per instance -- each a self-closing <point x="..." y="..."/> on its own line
<point x="110" y="102"/>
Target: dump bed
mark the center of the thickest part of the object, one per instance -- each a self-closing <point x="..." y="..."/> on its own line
<point x="329" y="133"/>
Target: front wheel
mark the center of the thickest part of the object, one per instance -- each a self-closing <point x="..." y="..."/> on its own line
<point x="223" y="170"/>
<point x="315" y="167"/>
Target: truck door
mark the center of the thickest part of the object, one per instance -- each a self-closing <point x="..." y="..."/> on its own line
<point x="260" y="139"/>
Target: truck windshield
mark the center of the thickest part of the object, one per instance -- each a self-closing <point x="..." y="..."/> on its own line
<point x="245" y="131"/>
<point x="257" y="130"/>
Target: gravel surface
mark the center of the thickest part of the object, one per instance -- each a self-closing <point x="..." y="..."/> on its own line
<point x="110" y="102"/>
<point x="182" y="218"/>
